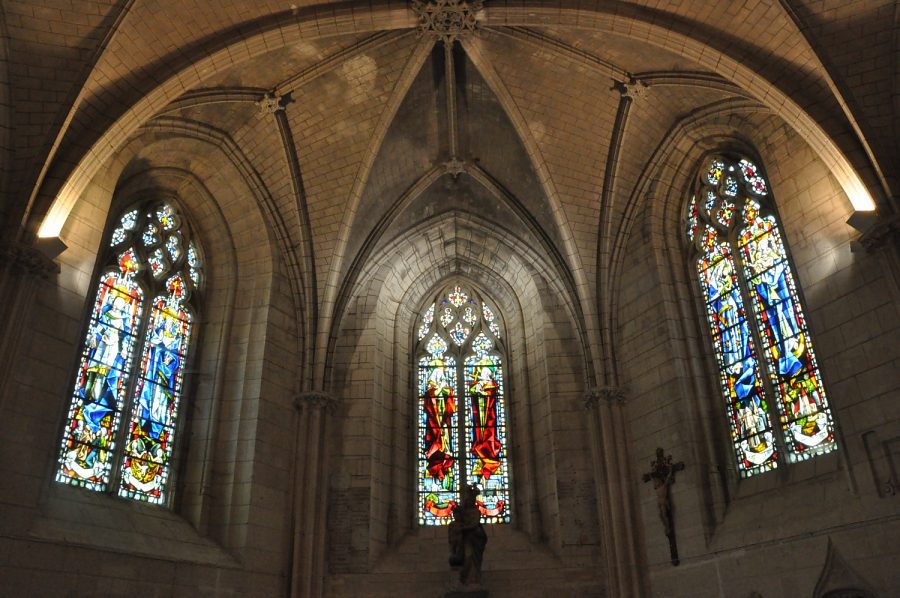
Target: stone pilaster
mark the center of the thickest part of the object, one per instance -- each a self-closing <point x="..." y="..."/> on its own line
<point x="314" y="410"/>
<point x="607" y="424"/>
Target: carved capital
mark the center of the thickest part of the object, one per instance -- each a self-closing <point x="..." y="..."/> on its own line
<point x="316" y="399"/>
<point x="29" y="260"/>
<point x="606" y="394"/>
<point x="633" y="88"/>
<point x="270" y="104"/>
<point x="455" y="167"/>
<point x="881" y="234"/>
<point x="448" y="20"/>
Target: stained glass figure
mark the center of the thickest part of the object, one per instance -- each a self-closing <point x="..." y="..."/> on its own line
<point x="692" y="220"/>
<point x="747" y="261"/>
<point x="486" y="437"/>
<point x="102" y="378"/>
<point x="157" y="395"/>
<point x="447" y="317"/>
<point x="751" y="427"/>
<point x="438" y="471"/>
<point x="461" y="445"/>
<point x="459" y="333"/>
<point x="786" y="341"/>
<point x="93" y="450"/>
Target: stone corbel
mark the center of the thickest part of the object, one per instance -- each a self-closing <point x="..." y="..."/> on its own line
<point x="33" y="260"/>
<point x="608" y="395"/>
<point x="316" y="399"/>
<point x="875" y="235"/>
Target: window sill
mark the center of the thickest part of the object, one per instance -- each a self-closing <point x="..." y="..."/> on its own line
<point x="76" y="517"/>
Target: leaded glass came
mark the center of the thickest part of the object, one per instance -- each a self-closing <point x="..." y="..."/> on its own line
<point x="118" y="375"/>
<point x="461" y="443"/>
<point x="741" y="259"/>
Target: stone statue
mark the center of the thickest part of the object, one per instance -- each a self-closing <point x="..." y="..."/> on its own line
<point x="467" y="538"/>
<point x="662" y="473"/>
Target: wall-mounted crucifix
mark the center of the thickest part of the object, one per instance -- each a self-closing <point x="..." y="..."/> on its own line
<point x="662" y="472"/>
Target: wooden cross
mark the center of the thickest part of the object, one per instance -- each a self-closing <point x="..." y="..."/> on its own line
<point x="662" y="472"/>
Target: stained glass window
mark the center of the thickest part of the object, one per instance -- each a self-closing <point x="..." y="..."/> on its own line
<point x="462" y="428"/>
<point x="133" y="359"/>
<point x="767" y="367"/>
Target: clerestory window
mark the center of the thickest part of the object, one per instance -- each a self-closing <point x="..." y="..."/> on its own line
<point x="460" y="354"/>
<point x="768" y="373"/>
<point x="133" y="358"/>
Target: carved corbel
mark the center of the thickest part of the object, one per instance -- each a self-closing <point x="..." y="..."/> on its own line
<point x="604" y="395"/>
<point x="316" y="399"/>
<point x="32" y="260"/>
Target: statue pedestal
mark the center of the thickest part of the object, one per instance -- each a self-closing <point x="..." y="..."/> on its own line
<point x="467" y="592"/>
<point x="458" y="590"/>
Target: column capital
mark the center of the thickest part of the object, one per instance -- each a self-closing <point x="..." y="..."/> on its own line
<point x="880" y="234"/>
<point x="316" y="399"/>
<point x="30" y="259"/>
<point x="603" y="394"/>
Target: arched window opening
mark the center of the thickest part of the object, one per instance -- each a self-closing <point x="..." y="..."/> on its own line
<point x="741" y="259"/>
<point x="154" y="255"/>
<point x="460" y="354"/>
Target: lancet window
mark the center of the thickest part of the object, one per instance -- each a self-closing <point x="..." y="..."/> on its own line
<point x="774" y="397"/>
<point x="133" y="358"/>
<point x="460" y="354"/>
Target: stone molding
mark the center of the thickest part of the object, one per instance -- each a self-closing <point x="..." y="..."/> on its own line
<point x="28" y="260"/>
<point x="448" y="20"/>
<point x="316" y="399"/>
<point x="606" y="394"/>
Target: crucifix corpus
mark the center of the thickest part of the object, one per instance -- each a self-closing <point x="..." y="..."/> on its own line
<point x="662" y="473"/>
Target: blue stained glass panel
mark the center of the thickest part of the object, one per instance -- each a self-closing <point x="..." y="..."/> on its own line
<point x="739" y="374"/>
<point x="156" y="399"/>
<point x="806" y="417"/>
<point x="101" y="380"/>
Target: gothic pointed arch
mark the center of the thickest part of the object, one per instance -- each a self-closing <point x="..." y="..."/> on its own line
<point x="462" y="430"/>
<point x="774" y="395"/>
<point x="133" y="356"/>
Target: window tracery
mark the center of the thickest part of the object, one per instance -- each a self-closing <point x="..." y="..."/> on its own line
<point x="133" y="358"/>
<point x="768" y="372"/>
<point x="459" y="353"/>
